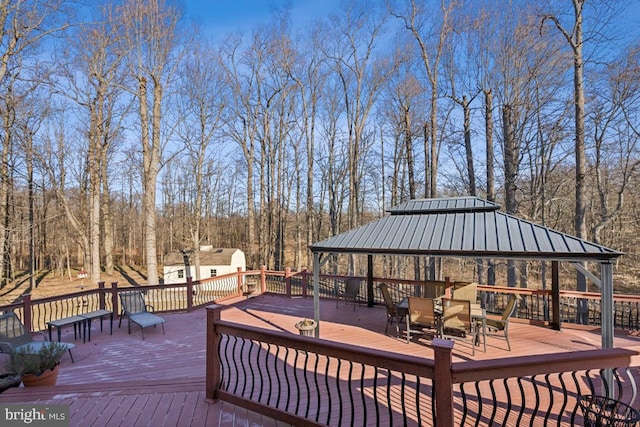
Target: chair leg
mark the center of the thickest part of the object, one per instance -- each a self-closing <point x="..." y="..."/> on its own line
<point x="506" y="337"/>
<point x="71" y="356"/>
<point x="397" y="327"/>
<point x="408" y="330"/>
<point x="474" y="336"/>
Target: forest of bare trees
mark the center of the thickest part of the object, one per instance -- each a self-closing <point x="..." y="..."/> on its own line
<point x="128" y="132"/>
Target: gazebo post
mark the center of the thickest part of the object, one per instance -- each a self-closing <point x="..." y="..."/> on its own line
<point x="606" y="303"/>
<point x="316" y="291"/>
<point x="370" y="280"/>
<point x="555" y="295"/>
<point x="607" y="319"/>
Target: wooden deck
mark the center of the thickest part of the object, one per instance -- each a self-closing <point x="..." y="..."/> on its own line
<point x="121" y="380"/>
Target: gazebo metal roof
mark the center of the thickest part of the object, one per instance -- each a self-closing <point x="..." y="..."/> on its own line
<point x="461" y="227"/>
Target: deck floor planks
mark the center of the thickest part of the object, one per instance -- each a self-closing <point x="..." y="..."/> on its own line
<point x="101" y="412"/>
<point x="174" y="410"/>
<point x="203" y="413"/>
<point x="128" y="377"/>
<point x="188" y="408"/>
<point x="149" y="409"/>
<point x="162" y="411"/>
<point x="132" y="416"/>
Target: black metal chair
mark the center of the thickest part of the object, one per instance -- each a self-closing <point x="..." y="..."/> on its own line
<point x="350" y="292"/>
<point x="137" y="311"/>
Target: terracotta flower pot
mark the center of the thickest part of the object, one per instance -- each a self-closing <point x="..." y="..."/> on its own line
<point x="48" y="377"/>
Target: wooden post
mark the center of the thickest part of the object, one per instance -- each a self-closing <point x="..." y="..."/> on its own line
<point x="101" y="302"/>
<point x="287" y="281"/>
<point x="443" y="381"/>
<point x="447" y="287"/>
<point x="213" y="360"/>
<point x="370" y="299"/>
<point x="240" y="281"/>
<point x="263" y="279"/>
<point x="189" y="294"/>
<point x="26" y="312"/>
<point x="114" y="298"/>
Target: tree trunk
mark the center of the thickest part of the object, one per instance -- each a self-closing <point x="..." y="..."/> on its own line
<point x="467" y="146"/>
<point x="510" y="172"/>
<point x="150" y="174"/>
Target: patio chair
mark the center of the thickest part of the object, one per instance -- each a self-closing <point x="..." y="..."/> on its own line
<point x="14" y="336"/>
<point x="137" y="311"/>
<point x="422" y="314"/>
<point x="456" y="321"/>
<point x="393" y="313"/>
<point x="351" y="291"/>
<point x="468" y="292"/>
<point x="502" y="325"/>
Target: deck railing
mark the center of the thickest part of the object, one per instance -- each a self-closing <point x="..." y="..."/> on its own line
<point x="303" y="380"/>
<point x="35" y="313"/>
<point x="535" y="305"/>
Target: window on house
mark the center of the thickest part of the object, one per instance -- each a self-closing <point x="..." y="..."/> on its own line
<point x="214" y="272"/>
<point x="180" y="274"/>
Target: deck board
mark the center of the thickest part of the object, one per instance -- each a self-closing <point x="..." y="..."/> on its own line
<point x="121" y="379"/>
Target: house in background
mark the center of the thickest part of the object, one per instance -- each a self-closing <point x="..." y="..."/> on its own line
<point x="213" y="262"/>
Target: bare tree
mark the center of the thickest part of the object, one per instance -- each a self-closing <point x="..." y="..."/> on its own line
<point x="150" y="36"/>
<point x="94" y="77"/>
<point x="361" y="73"/>
<point x="431" y="32"/>
<point x="200" y="108"/>
<point x="241" y="126"/>
<point x="570" y="26"/>
<point x="309" y="73"/>
<point x="24" y="25"/>
<point x="616" y="137"/>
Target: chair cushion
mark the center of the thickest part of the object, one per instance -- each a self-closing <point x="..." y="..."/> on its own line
<point x="146" y="319"/>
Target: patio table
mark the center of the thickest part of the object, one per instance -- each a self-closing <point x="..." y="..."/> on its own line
<point x="478" y="314"/>
<point x="78" y="323"/>
<point x="97" y="314"/>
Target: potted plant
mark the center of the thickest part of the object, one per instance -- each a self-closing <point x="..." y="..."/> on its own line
<point x="306" y="327"/>
<point x="37" y="367"/>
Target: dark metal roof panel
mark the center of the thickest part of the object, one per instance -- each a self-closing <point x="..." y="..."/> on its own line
<point x="477" y="234"/>
<point x="448" y="205"/>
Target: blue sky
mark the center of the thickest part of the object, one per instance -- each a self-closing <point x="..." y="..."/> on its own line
<point x="224" y="16"/>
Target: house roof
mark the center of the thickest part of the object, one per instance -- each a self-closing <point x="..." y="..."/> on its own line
<point x="216" y="256"/>
<point x="461" y="227"/>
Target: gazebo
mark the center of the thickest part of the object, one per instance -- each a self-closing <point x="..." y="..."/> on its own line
<point x="471" y="227"/>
